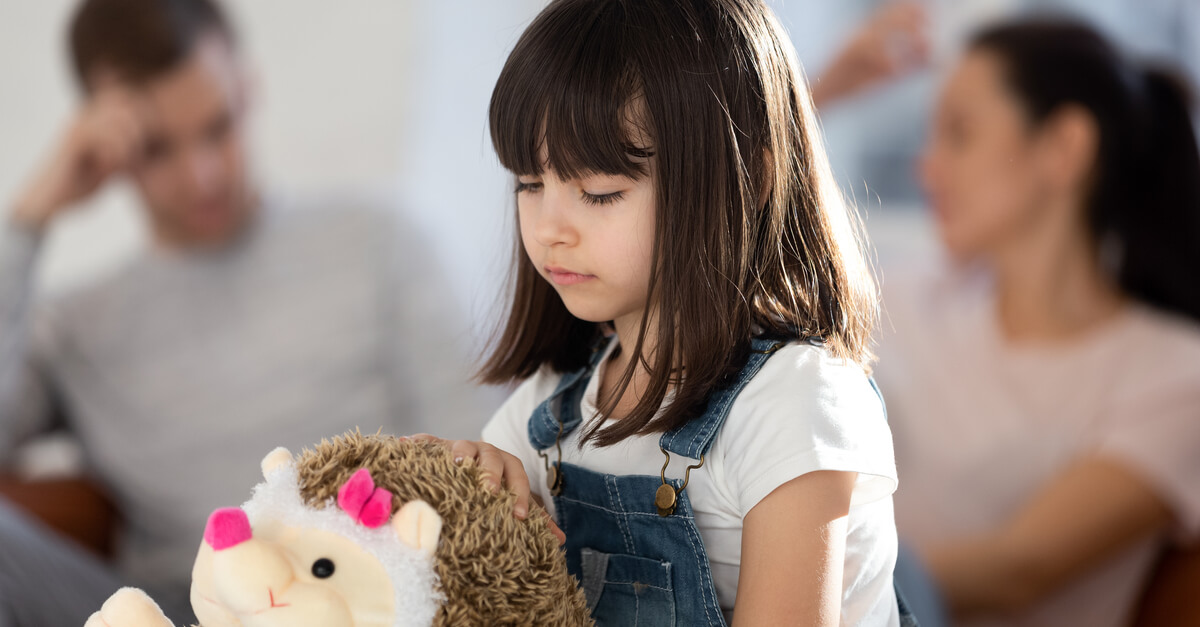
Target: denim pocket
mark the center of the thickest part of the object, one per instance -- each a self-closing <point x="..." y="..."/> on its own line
<point x="627" y="590"/>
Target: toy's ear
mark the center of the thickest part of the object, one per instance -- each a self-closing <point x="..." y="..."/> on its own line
<point x="275" y="459"/>
<point x="418" y="525"/>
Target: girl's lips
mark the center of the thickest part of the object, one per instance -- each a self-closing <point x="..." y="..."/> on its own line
<point x="562" y="276"/>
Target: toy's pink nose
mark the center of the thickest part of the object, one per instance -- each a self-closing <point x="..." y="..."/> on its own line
<point x="227" y="527"/>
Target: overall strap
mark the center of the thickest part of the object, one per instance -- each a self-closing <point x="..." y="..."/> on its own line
<point x="544" y="426"/>
<point x="695" y="438"/>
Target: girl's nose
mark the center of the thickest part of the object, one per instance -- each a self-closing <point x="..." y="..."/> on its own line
<point x="553" y="225"/>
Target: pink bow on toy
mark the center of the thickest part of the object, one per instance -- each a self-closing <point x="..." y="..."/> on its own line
<point x="365" y="503"/>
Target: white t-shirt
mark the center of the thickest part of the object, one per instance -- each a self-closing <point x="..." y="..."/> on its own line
<point x="982" y="424"/>
<point x="804" y="411"/>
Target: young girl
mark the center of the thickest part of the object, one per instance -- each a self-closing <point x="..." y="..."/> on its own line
<point x="691" y="318"/>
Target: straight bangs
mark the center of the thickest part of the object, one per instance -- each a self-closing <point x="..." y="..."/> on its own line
<point x="565" y="101"/>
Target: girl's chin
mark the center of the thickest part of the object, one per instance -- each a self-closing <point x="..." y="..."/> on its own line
<point x="589" y="315"/>
<point x="591" y="312"/>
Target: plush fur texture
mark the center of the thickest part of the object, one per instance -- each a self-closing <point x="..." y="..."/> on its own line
<point x="494" y="569"/>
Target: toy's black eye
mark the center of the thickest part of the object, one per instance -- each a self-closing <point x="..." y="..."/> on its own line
<point x="323" y="568"/>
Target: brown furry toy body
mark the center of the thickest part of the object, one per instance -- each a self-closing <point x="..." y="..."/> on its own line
<point x="370" y="531"/>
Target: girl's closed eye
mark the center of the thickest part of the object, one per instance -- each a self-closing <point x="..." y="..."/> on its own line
<point x="602" y="199"/>
<point x="528" y="186"/>
<point x="602" y="189"/>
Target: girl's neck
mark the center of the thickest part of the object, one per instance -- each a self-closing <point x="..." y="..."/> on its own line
<point x="1050" y="287"/>
<point x="628" y="327"/>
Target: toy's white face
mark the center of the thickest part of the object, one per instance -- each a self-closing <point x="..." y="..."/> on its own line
<point x="291" y="576"/>
<point x="278" y="562"/>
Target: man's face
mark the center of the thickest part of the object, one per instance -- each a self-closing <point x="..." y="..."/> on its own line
<point x="192" y="175"/>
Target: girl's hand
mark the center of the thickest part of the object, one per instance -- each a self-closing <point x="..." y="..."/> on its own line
<point x="501" y="469"/>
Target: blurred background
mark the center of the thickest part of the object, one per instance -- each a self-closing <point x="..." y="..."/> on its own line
<point x="392" y="97"/>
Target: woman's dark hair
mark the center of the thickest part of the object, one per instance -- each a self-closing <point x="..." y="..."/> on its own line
<point x="1145" y="183"/>
<point x="140" y="40"/>
<point x="751" y="234"/>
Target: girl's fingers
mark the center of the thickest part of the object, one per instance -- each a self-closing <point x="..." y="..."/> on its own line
<point x="492" y="462"/>
<point x="554" y="528"/>
<point x="425" y="437"/>
<point x="499" y="468"/>
<point x="465" y="449"/>
<point x="518" y="482"/>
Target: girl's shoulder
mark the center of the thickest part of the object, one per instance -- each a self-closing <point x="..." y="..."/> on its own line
<point x="807" y="366"/>
<point x="805" y="393"/>
<point x="807" y="410"/>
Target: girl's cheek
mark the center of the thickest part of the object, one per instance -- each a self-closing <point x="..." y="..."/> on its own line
<point x="527" y="248"/>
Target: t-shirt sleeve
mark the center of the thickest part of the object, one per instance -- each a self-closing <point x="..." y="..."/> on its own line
<point x="807" y="411"/>
<point x="1155" y="431"/>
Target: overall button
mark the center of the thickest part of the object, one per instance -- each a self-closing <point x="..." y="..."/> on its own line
<point x="664" y="500"/>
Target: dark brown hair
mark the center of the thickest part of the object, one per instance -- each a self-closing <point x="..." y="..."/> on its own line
<point x="751" y="234"/>
<point x="1145" y="193"/>
<point x="140" y="40"/>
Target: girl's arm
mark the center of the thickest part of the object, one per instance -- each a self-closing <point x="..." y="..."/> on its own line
<point x="793" y="547"/>
<point x="1086" y="515"/>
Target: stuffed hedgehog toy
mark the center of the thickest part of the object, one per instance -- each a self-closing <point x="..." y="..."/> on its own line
<point x="370" y="531"/>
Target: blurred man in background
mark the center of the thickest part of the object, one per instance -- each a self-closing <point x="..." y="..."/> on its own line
<point x="251" y="321"/>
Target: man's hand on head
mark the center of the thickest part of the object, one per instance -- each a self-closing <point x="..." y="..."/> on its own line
<point x="104" y="138"/>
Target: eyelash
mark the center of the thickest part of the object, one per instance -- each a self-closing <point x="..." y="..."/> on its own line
<point x="603" y="199"/>
<point x="591" y="199"/>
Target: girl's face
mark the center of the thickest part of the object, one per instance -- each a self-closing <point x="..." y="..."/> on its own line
<point x="982" y="167"/>
<point x="592" y="238"/>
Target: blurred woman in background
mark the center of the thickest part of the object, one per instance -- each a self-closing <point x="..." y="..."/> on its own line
<point x="1044" y="386"/>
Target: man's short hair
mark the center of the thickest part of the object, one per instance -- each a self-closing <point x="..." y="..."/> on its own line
<point x="140" y="40"/>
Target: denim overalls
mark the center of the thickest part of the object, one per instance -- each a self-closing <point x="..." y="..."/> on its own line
<point x="638" y="567"/>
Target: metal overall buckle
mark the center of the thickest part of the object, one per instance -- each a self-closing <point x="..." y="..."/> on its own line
<point x="666" y="498"/>
<point x="554" y="478"/>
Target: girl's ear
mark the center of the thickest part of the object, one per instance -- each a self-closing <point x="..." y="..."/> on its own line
<point x="419" y="526"/>
<point x="275" y="459"/>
